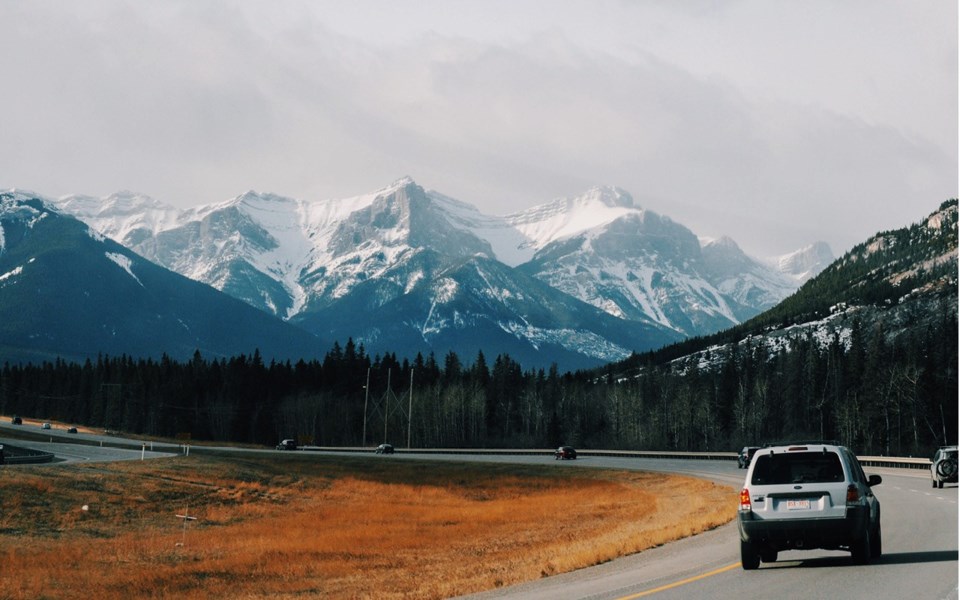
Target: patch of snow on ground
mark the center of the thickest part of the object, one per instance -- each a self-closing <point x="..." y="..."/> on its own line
<point x="124" y="263"/>
<point x="581" y="342"/>
<point x="13" y="273"/>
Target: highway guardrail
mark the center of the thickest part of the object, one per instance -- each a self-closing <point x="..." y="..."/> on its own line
<point x="15" y="455"/>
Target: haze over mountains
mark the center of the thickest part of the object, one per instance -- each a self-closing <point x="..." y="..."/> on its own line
<point x="577" y="281"/>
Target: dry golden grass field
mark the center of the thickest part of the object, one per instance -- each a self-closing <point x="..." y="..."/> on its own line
<point x="327" y="527"/>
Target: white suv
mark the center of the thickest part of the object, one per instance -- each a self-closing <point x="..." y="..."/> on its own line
<point x="805" y="496"/>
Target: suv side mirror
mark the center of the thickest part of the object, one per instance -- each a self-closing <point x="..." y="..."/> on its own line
<point x="873" y="480"/>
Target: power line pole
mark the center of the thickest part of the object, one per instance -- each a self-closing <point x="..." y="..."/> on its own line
<point x="386" y="405"/>
<point x="410" y="409"/>
<point x="366" y="397"/>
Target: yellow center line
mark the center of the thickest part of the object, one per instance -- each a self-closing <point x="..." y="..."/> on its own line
<point x="669" y="586"/>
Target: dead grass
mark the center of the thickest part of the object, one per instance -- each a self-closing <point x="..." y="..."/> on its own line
<point x="312" y="527"/>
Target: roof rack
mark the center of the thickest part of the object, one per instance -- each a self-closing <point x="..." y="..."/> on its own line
<point x="803" y="443"/>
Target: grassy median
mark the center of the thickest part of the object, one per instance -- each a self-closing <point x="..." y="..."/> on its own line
<point x="300" y="526"/>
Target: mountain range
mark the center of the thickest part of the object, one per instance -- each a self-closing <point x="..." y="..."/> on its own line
<point x="901" y="283"/>
<point x="576" y="281"/>
<point x="68" y="292"/>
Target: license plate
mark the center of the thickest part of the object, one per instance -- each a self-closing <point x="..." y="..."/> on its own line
<point x="798" y="505"/>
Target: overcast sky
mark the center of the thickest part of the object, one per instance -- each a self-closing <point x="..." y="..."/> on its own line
<point x="778" y="123"/>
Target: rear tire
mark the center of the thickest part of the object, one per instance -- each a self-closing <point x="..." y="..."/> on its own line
<point x="876" y="546"/>
<point x="861" y="550"/>
<point x="749" y="557"/>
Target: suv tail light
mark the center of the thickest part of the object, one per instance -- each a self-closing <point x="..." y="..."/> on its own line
<point x="745" y="499"/>
<point x="853" y="494"/>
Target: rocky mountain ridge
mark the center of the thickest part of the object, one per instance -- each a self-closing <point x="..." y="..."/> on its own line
<point x="306" y="260"/>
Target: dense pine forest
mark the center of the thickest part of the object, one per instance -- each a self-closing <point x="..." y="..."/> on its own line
<point x="879" y="398"/>
<point x="865" y="353"/>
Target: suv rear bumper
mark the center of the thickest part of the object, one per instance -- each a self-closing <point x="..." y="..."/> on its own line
<point x="784" y="534"/>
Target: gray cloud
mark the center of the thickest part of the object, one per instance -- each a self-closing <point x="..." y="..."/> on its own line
<point x="775" y="123"/>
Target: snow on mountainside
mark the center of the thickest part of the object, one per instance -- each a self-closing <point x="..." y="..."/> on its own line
<point x="640" y="265"/>
<point x="122" y="216"/>
<point x="68" y="292"/>
<point x="749" y="282"/>
<point x="479" y="304"/>
<point x="294" y="257"/>
<point x="517" y="237"/>
<point x="805" y="263"/>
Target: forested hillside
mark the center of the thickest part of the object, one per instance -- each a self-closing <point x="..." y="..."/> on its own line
<point x="866" y="354"/>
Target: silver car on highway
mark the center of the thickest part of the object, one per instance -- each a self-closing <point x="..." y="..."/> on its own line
<point x="804" y="496"/>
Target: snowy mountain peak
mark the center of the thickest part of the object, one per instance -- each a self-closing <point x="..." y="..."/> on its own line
<point x="609" y="196"/>
<point x="562" y="218"/>
<point x="123" y="216"/>
<point x="119" y="205"/>
<point x="125" y="199"/>
<point x="403" y="182"/>
<point x="406" y="215"/>
<point x="255" y="197"/>
<point x="249" y="200"/>
<point x="723" y="242"/>
<point x="20" y="194"/>
<point x="806" y="262"/>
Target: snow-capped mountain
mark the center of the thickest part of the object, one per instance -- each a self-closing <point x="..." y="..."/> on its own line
<point x="301" y="260"/>
<point x="899" y="284"/>
<point x="805" y="263"/>
<point x="410" y="271"/>
<point x="68" y="292"/>
<point x="636" y="264"/>
<point x="479" y="304"/>
<point x="751" y="284"/>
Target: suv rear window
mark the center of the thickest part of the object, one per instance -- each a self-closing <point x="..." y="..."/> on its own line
<point x="797" y="467"/>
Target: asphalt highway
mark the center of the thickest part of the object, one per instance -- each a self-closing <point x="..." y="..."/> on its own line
<point x="919" y="524"/>
<point x="919" y="561"/>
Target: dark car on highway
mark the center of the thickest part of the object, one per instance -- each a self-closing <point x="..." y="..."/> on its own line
<point x="565" y="453"/>
<point x="384" y="449"/>
<point x="287" y="444"/>
<point x="745" y="456"/>
<point x="16" y="421"/>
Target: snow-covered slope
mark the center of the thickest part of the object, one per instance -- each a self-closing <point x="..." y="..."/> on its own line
<point x="637" y="266"/>
<point x="746" y="281"/>
<point x="124" y="217"/>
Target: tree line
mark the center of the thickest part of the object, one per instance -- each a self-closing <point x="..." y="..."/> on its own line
<point x="879" y="396"/>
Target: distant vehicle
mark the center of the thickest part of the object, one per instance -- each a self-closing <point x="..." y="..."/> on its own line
<point x="565" y="453"/>
<point x="287" y="444"/>
<point x="72" y="430"/>
<point x="806" y="496"/>
<point x="384" y="449"/>
<point x="944" y="467"/>
<point x="16" y="421"/>
<point x="745" y="456"/>
<point x="46" y="426"/>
